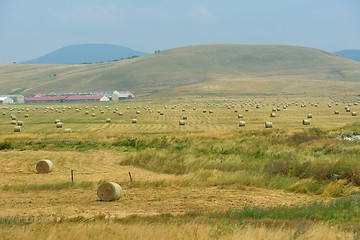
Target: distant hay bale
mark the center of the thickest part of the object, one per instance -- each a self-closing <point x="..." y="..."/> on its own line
<point x="44" y="166"/>
<point x="353" y="114"/>
<point x="120" y="113"/>
<point x="93" y="114"/>
<point x="86" y="112"/>
<point x="134" y="120"/>
<point x="26" y="115"/>
<point x="108" y="120"/>
<point x="161" y="113"/>
<point x="137" y="112"/>
<point x="272" y="114"/>
<point x="13" y="122"/>
<point x="182" y="122"/>
<point x="13" y="117"/>
<point x="3" y="113"/>
<point x="17" y="128"/>
<point x="309" y="115"/>
<point x="336" y="112"/>
<point x="109" y="191"/>
<point x="241" y="124"/>
<point x="67" y="130"/>
<point x="240" y="116"/>
<point x="59" y="125"/>
<point x="306" y="122"/>
<point x="347" y="109"/>
<point x="57" y="121"/>
<point x="211" y="111"/>
<point x="268" y="124"/>
<point x="185" y="117"/>
<point x="20" y="123"/>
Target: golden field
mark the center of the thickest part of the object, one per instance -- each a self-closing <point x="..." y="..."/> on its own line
<point x="188" y="176"/>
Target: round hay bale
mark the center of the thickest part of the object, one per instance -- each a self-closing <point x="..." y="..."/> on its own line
<point x="13" y="117"/>
<point x="353" y="114"/>
<point x="109" y="191"/>
<point x="241" y="124"/>
<point x="137" y="112"/>
<point x="185" y="117"/>
<point x="309" y="115"/>
<point x="182" y="122"/>
<point x="17" y="128"/>
<point x="44" y="166"/>
<point x="93" y="114"/>
<point x="272" y="114"/>
<point x="240" y="116"/>
<point x="108" y="120"/>
<point x="26" y="115"/>
<point x="20" y="123"/>
<point x="13" y="122"/>
<point x="59" y="125"/>
<point x="336" y="112"/>
<point x="86" y="112"/>
<point x="4" y="113"/>
<point x="57" y="121"/>
<point x="120" y="113"/>
<point x="211" y="111"/>
<point x="268" y="124"/>
<point x="161" y="113"/>
<point x="134" y="120"/>
<point x="67" y="130"/>
<point x="306" y="122"/>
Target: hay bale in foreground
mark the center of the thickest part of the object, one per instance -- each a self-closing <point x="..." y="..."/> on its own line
<point x="268" y="124"/>
<point x="17" y="128"/>
<point x="182" y="122"/>
<point x="306" y="122"/>
<point x="44" y="166"/>
<point x="109" y="191"/>
<point x="354" y="114"/>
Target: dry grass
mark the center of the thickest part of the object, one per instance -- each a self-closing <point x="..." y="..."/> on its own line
<point x="79" y="231"/>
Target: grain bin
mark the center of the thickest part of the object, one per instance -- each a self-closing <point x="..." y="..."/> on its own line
<point x="44" y="166"/>
<point x="241" y="124"/>
<point x="17" y="128"/>
<point x="109" y="191"/>
<point x="268" y="124"/>
<point x="306" y="122"/>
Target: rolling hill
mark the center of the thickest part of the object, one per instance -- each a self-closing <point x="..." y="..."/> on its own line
<point x="350" y="54"/>
<point x="197" y="70"/>
<point x="86" y="53"/>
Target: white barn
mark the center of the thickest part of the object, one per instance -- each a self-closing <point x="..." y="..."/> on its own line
<point x="6" y="100"/>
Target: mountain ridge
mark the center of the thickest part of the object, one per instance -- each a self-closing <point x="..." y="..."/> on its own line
<point x="86" y="53"/>
<point x="197" y="70"/>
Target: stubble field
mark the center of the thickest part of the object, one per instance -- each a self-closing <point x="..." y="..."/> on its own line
<point x="210" y="176"/>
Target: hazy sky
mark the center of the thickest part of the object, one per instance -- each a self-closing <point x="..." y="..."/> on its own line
<point x="31" y="28"/>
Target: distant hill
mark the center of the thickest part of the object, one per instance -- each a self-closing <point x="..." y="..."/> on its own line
<point x="227" y="70"/>
<point x="86" y="53"/>
<point x="350" y="54"/>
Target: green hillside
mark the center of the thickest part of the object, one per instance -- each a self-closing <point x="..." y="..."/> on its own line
<point x="205" y="69"/>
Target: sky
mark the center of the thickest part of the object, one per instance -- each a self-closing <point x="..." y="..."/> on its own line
<point x="32" y="28"/>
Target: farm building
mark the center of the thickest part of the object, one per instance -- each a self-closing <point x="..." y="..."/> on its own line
<point x="6" y="100"/>
<point x="15" y="98"/>
<point x="122" y="95"/>
<point x="67" y="98"/>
